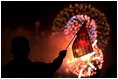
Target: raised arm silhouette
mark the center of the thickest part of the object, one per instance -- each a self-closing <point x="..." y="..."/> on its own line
<point x="22" y="67"/>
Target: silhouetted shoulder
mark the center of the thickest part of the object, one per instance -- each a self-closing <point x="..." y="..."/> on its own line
<point x="17" y="69"/>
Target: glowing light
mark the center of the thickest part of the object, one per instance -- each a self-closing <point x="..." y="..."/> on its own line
<point x="87" y="56"/>
<point x="79" y="66"/>
<point x="89" y="71"/>
<point x="94" y="43"/>
<point x="69" y="21"/>
<point x="92" y="66"/>
<point x="77" y="50"/>
<point x="80" y="74"/>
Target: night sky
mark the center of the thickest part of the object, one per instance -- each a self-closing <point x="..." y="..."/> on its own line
<point x="21" y="18"/>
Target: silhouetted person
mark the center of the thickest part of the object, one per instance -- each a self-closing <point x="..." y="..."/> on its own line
<point x="22" y="67"/>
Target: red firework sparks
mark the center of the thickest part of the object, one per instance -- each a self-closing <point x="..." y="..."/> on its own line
<point x="88" y="55"/>
<point x="85" y="50"/>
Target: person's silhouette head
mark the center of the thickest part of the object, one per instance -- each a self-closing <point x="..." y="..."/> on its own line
<point x="20" y="48"/>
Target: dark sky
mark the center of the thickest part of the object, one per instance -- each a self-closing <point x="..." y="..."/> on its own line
<point x="26" y="13"/>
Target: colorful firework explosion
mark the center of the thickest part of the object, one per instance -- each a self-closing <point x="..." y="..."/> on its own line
<point x="84" y="63"/>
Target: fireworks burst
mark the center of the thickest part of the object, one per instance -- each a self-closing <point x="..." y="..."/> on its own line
<point x="70" y="21"/>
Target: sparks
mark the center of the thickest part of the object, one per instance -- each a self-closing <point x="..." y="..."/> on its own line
<point x="80" y="74"/>
<point x="83" y="66"/>
<point x="72" y="19"/>
<point x="89" y="71"/>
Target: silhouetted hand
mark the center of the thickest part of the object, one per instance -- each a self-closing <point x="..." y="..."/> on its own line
<point x="62" y="53"/>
